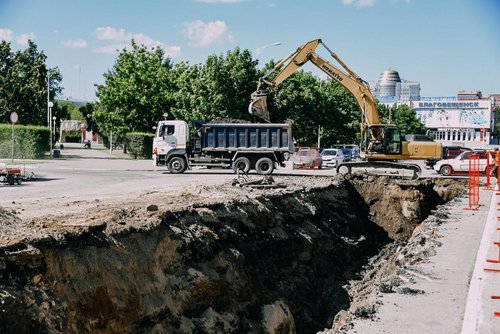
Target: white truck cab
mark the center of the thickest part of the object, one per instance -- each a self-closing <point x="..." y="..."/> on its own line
<point x="170" y="135"/>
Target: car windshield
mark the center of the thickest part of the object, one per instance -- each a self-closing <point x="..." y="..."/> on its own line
<point x="329" y="152"/>
<point x="466" y="155"/>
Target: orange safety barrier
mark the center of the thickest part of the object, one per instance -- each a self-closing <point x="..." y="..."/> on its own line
<point x="488" y="172"/>
<point x="498" y="172"/>
<point x="473" y="182"/>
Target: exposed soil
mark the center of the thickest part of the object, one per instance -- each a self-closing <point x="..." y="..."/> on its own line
<point x="223" y="259"/>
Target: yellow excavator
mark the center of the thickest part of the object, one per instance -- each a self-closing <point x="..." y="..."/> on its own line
<point x="382" y="145"/>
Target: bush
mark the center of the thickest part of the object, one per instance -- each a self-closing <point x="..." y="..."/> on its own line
<point x="31" y="142"/>
<point x="140" y="145"/>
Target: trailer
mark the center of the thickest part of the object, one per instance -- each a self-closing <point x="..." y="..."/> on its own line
<point x="240" y="146"/>
<point x="10" y="175"/>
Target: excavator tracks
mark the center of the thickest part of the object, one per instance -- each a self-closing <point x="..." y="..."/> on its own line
<point x="387" y="168"/>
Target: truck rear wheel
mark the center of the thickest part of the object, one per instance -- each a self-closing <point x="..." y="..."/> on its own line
<point x="264" y="166"/>
<point x="177" y="165"/>
<point x="241" y="164"/>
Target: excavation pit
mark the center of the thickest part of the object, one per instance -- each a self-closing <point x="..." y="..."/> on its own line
<point x="219" y="259"/>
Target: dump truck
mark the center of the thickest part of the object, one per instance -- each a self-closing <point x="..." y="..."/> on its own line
<point x="240" y="146"/>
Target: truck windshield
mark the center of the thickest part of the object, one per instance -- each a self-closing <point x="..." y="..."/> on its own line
<point x="166" y="130"/>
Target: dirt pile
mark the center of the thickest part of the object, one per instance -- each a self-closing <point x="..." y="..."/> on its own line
<point x="215" y="260"/>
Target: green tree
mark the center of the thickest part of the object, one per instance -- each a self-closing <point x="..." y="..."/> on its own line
<point x="23" y="84"/>
<point x="220" y="88"/>
<point x="86" y="111"/>
<point x="315" y="104"/>
<point x="402" y="116"/>
<point x="137" y="91"/>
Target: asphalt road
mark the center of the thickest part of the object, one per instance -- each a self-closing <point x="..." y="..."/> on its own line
<point x="89" y="174"/>
<point x="95" y="174"/>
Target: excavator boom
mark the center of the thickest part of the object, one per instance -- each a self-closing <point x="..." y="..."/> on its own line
<point x="303" y="54"/>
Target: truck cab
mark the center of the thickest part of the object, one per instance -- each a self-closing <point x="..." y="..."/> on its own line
<point x="172" y="138"/>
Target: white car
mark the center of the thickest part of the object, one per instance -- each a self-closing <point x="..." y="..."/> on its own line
<point x="331" y="157"/>
<point x="460" y="163"/>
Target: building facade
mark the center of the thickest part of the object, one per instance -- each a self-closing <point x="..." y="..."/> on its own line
<point x="495" y="99"/>
<point x="457" y="122"/>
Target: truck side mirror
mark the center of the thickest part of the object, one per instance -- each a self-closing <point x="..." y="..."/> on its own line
<point x="154" y="127"/>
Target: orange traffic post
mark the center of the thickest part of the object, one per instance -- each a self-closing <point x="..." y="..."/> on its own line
<point x="488" y="172"/>
<point x="473" y="182"/>
<point x="498" y="177"/>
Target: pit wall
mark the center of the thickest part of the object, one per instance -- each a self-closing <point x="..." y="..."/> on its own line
<point x="273" y="264"/>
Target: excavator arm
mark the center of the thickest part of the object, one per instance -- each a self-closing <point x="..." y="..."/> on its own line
<point x="304" y="53"/>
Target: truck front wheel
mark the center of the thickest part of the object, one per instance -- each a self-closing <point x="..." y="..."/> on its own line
<point x="241" y="164"/>
<point x="264" y="166"/>
<point x="177" y="165"/>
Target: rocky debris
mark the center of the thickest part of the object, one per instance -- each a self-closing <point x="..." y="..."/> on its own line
<point x="217" y="259"/>
<point x="277" y="319"/>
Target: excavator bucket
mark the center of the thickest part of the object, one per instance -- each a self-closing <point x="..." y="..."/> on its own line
<point x="258" y="106"/>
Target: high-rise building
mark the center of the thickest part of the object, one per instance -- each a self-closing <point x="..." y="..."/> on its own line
<point x="409" y="91"/>
<point x="391" y="89"/>
<point x="387" y="83"/>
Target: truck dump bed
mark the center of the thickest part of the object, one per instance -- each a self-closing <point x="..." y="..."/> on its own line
<point x="276" y="137"/>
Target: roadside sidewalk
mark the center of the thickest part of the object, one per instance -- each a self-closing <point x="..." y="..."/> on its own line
<point x="483" y="299"/>
<point x="444" y="279"/>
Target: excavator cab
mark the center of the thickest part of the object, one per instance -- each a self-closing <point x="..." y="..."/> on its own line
<point x="392" y="141"/>
<point x="384" y="139"/>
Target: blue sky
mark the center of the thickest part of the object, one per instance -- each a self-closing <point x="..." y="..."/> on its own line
<point x="447" y="45"/>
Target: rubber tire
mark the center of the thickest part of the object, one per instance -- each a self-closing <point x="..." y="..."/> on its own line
<point x="177" y="165"/>
<point x="446" y="170"/>
<point x="10" y="180"/>
<point x="241" y="162"/>
<point x="19" y="181"/>
<point x="264" y="166"/>
<point x="343" y="169"/>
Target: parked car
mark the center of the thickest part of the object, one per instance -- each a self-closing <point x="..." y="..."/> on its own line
<point x="460" y="163"/>
<point x="350" y="151"/>
<point x="306" y="157"/>
<point x="449" y="152"/>
<point x="331" y="157"/>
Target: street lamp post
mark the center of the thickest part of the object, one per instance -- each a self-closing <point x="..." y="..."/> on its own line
<point x="54" y="128"/>
<point x="50" y="105"/>
<point x="48" y="98"/>
<point x="261" y="48"/>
